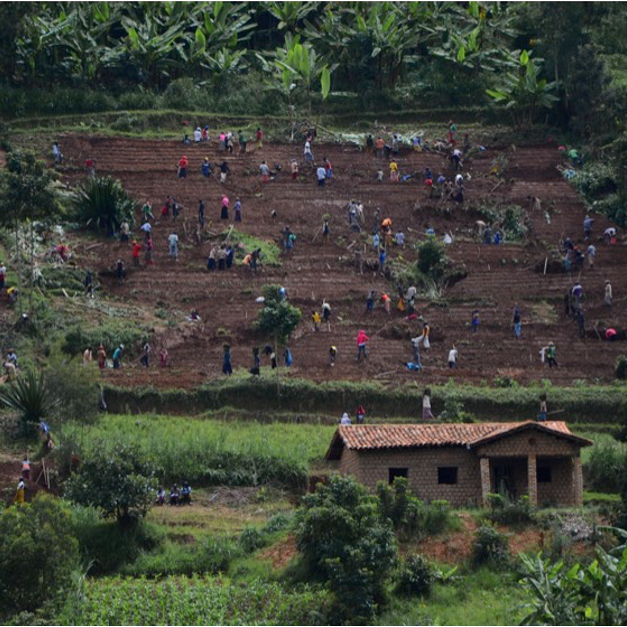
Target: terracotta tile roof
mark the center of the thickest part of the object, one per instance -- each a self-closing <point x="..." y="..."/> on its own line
<point x="362" y="437"/>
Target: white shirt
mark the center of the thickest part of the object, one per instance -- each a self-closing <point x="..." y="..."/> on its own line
<point x="146" y="227"/>
<point x="3" y="271"/>
<point x="173" y="239"/>
<point x="452" y="355"/>
<point x="426" y="402"/>
<point x="321" y="173"/>
<point x="459" y="179"/>
<point x="197" y="135"/>
<point x="345" y="420"/>
<point x="592" y="251"/>
<point x="457" y="153"/>
<point x="307" y="148"/>
<point x="55" y="150"/>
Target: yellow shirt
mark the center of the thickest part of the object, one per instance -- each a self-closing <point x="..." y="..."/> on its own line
<point x="393" y="166"/>
<point x="316" y="318"/>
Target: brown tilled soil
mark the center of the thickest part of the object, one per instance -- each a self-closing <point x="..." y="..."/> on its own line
<point x="497" y="276"/>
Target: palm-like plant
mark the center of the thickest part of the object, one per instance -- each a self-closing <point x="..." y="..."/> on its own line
<point x="102" y="203"/>
<point x="31" y="396"/>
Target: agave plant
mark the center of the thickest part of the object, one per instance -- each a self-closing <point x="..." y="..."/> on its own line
<point x="31" y="396"/>
<point x="102" y="203"/>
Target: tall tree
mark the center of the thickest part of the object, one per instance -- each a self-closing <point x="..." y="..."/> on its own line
<point x="27" y="195"/>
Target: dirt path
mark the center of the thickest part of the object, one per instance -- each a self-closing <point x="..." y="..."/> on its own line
<point x="498" y="276"/>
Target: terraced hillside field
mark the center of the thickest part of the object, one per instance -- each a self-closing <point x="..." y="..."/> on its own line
<point x="498" y="277"/>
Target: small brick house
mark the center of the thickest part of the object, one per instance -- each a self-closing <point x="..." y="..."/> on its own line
<point x="463" y="463"/>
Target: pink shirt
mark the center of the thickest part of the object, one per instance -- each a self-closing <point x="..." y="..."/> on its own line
<point x="225" y="201"/>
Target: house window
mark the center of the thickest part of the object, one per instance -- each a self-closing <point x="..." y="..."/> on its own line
<point x="447" y="474"/>
<point x="396" y="472"/>
<point x="544" y="474"/>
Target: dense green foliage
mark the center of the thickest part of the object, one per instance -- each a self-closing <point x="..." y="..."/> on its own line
<point x="102" y="204"/>
<point x="207" y="452"/>
<point x="117" y="481"/>
<point x="193" y="601"/>
<point x="594" y="594"/>
<point x="345" y="541"/>
<point x="490" y="547"/>
<point x="416" y="576"/>
<point x="38" y="554"/>
<point x="605" y="464"/>
<point x="411" y="517"/>
<point x="504" y="510"/>
<point x="277" y="318"/>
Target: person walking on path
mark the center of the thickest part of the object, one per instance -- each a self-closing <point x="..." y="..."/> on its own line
<point x="201" y="213"/>
<point x="135" y="253"/>
<point x="543" y="409"/>
<point x="426" y="405"/>
<point x="550" y="355"/>
<point x="146" y="349"/>
<point x="362" y="340"/>
<point x="182" y="167"/>
<point x="147" y="211"/>
<point x="227" y="368"/>
<point x="237" y="208"/>
<point x="332" y="355"/>
<point x="516" y="322"/>
<point x="608" y="294"/>
<point x="309" y="158"/>
<point x="452" y="357"/>
<point x="101" y="356"/>
<point x="224" y="211"/>
<point x="117" y="356"/>
<point x="173" y="243"/>
<point x="415" y="345"/>
<point x="321" y="176"/>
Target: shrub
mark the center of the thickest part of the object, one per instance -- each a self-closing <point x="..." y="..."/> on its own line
<point x="117" y="482"/>
<point x="620" y="368"/>
<point x="38" y="553"/>
<point x="345" y="541"/>
<point x="410" y="516"/>
<point x="105" y="547"/>
<point x="605" y="464"/>
<point x="431" y="257"/>
<point x="490" y="547"/>
<point x="277" y="318"/>
<point x="252" y="539"/>
<point x="110" y="333"/>
<point x="416" y="576"/>
<point x="103" y="204"/>
<point x="505" y="511"/>
<point x="212" y="555"/>
<point x="32" y="397"/>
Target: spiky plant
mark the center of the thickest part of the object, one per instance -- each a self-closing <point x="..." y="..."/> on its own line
<point x="102" y="203"/>
<point x="31" y="396"/>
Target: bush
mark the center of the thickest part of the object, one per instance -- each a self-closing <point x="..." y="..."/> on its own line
<point x="410" y="516"/>
<point x="105" y="547"/>
<point x="345" y="541"/>
<point x="38" y="554"/>
<point x="277" y="318"/>
<point x="416" y="576"/>
<point x="431" y="257"/>
<point x="505" y="511"/>
<point x="32" y="396"/>
<point x="117" y="482"/>
<point x="490" y="547"/>
<point x="212" y="555"/>
<point x="252" y="539"/>
<point x="110" y="333"/>
<point x="620" y="367"/>
<point x="605" y="464"/>
<point x="103" y="204"/>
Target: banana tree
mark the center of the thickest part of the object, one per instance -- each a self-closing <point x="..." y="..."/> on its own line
<point x="523" y="91"/>
<point x="296" y="67"/>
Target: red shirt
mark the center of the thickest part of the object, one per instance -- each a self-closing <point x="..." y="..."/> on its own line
<point x="259" y="135"/>
<point x="136" y="249"/>
<point x="183" y="163"/>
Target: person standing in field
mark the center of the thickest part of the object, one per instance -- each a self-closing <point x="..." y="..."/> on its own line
<point x="543" y="409"/>
<point x="362" y="340"/>
<point x="224" y="211"/>
<point x="173" y="243"/>
<point x="117" y="356"/>
<point x="227" y="368"/>
<point x="259" y="138"/>
<point x="135" y="253"/>
<point x="146" y="349"/>
<point x="426" y="405"/>
<point x="101" y="356"/>
<point x="608" y="294"/>
<point x="294" y="169"/>
<point x="237" y="208"/>
<point x="517" y="322"/>
<point x="309" y="158"/>
<point x="242" y="141"/>
<point x="452" y="357"/>
<point x="182" y="167"/>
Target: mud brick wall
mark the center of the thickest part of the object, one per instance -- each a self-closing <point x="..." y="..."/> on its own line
<point x="561" y="489"/>
<point x="372" y="466"/>
<point x="523" y="444"/>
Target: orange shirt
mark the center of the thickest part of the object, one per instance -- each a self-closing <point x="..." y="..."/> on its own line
<point x="380" y="143"/>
